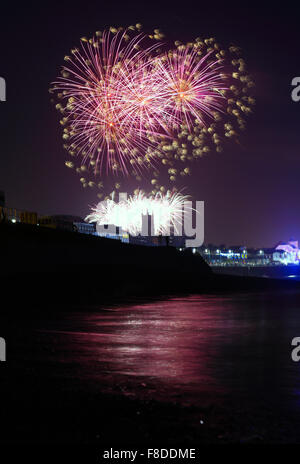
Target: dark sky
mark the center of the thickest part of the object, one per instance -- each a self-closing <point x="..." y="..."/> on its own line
<point x="251" y="191"/>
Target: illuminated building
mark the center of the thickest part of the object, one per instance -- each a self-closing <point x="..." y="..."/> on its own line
<point x="290" y="252"/>
<point x="147" y="236"/>
<point x="85" y="228"/>
<point x="282" y="254"/>
<point x="113" y="232"/>
<point x="15" y="215"/>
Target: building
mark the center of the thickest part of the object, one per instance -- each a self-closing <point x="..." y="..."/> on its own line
<point x="236" y="256"/>
<point x="282" y="254"/>
<point x="85" y="228"/>
<point x="15" y="215"/>
<point x="146" y="237"/>
<point x="221" y="255"/>
<point x="113" y="232"/>
<point x="278" y="256"/>
<point x="290" y="253"/>
<point x="60" y="221"/>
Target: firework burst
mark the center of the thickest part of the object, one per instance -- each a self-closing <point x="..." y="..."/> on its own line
<point x="134" y="107"/>
<point x="192" y="87"/>
<point x="107" y="94"/>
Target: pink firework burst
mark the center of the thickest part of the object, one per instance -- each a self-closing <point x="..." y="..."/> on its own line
<point x="128" y="107"/>
<point x="113" y="102"/>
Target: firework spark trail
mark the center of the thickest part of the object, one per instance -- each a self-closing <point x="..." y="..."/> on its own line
<point x="191" y="88"/>
<point x="130" y="109"/>
<point x="119" y="98"/>
<point x="112" y="103"/>
<point x="166" y="211"/>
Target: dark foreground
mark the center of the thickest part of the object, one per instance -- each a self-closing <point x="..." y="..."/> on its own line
<point x="188" y="370"/>
<point x="67" y="415"/>
<point x="98" y="353"/>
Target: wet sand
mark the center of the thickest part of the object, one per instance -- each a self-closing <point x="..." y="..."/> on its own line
<point x="204" y="369"/>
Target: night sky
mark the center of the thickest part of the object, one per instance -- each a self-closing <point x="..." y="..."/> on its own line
<point x="251" y="191"/>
